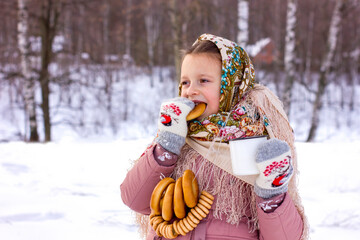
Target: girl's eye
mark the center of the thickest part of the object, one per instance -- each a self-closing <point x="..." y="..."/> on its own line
<point x="203" y="80"/>
<point x="184" y="83"/>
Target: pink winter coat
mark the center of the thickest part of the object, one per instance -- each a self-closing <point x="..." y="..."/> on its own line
<point x="284" y="223"/>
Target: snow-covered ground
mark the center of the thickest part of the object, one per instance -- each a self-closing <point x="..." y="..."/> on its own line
<point x="70" y="189"/>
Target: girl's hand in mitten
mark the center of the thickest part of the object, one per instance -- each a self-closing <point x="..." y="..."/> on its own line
<point x="172" y="123"/>
<point x="273" y="159"/>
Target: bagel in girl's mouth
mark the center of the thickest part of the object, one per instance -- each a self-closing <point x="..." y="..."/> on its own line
<point x="196" y="112"/>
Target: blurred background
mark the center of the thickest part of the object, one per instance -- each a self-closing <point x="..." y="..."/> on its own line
<point x="95" y="68"/>
<point x="87" y="78"/>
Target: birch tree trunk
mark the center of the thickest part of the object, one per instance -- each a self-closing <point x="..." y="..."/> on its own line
<point x="243" y="23"/>
<point x="325" y="67"/>
<point x="289" y="54"/>
<point x="29" y="86"/>
<point x="278" y="42"/>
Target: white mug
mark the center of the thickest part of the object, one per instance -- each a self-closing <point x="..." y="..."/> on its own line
<point x="243" y="153"/>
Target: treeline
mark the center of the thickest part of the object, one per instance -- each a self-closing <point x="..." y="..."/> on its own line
<point x="304" y="37"/>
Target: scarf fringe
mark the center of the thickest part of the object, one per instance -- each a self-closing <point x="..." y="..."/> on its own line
<point x="235" y="199"/>
<point x="269" y="105"/>
<point x="143" y="222"/>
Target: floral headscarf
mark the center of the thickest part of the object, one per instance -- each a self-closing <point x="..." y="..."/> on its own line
<point x="234" y="120"/>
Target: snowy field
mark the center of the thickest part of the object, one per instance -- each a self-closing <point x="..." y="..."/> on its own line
<point x="70" y="189"/>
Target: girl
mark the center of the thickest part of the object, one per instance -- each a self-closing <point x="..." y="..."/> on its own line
<point x="219" y="73"/>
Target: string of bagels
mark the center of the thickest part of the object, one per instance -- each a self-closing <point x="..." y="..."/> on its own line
<point x="176" y="207"/>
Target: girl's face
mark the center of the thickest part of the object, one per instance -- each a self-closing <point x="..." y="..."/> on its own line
<point x="200" y="80"/>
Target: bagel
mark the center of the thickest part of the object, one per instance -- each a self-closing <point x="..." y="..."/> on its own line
<point x="204" y="203"/>
<point x="171" y="232"/>
<point x="163" y="230"/>
<point x="152" y="214"/>
<point x="180" y="229"/>
<point x="192" y="218"/>
<point x="190" y="188"/>
<point x="208" y="195"/>
<point x="158" y="228"/>
<point x="188" y="225"/>
<point x="162" y="199"/>
<point x="153" y="219"/>
<point x="182" y="226"/>
<point x="196" y="112"/>
<point x="175" y="226"/>
<point x="179" y="204"/>
<point x="206" y="199"/>
<point x="192" y="224"/>
<point x="157" y="222"/>
<point x="167" y="206"/>
<point x="166" y="232"/>
<point x="203" y="208"/>
<point x="196" y="214"/>
<point x="199" y="211"/>
<point x="161" y="227"/>
<point x="157" y="194"/>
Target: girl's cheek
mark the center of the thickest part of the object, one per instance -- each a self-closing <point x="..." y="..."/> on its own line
<point x="182" y="93"/>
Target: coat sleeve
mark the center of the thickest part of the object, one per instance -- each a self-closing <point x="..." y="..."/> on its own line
<point x="137" y="187"/>
<point x="284" y="223"/>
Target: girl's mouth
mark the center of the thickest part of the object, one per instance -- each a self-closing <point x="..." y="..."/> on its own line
<point x="197" y="111"/>
<point x="198" y="102"/>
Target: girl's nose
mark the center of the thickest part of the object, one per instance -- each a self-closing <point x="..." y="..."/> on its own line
<point x="193" y="89"/>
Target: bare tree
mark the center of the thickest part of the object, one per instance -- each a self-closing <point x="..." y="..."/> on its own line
<point x="354" y="63"/>
<point x="106" y="16"/>
<point x="289" y="54"/>
<point x="325" y="67"/>
<point x="176" y="29"/>
<point x="48" y="20"/>
<point x="24" y="47"/>
<point x="308" y="56"/>
<point x="29" y="86"/>
<point x="128" y="28"/>
<point x="80" y="38"/>
<point x="243" y="23"/>
<point x="152" y="24"/>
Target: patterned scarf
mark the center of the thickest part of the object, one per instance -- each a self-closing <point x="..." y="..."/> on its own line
<point x="234" y="119"/>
